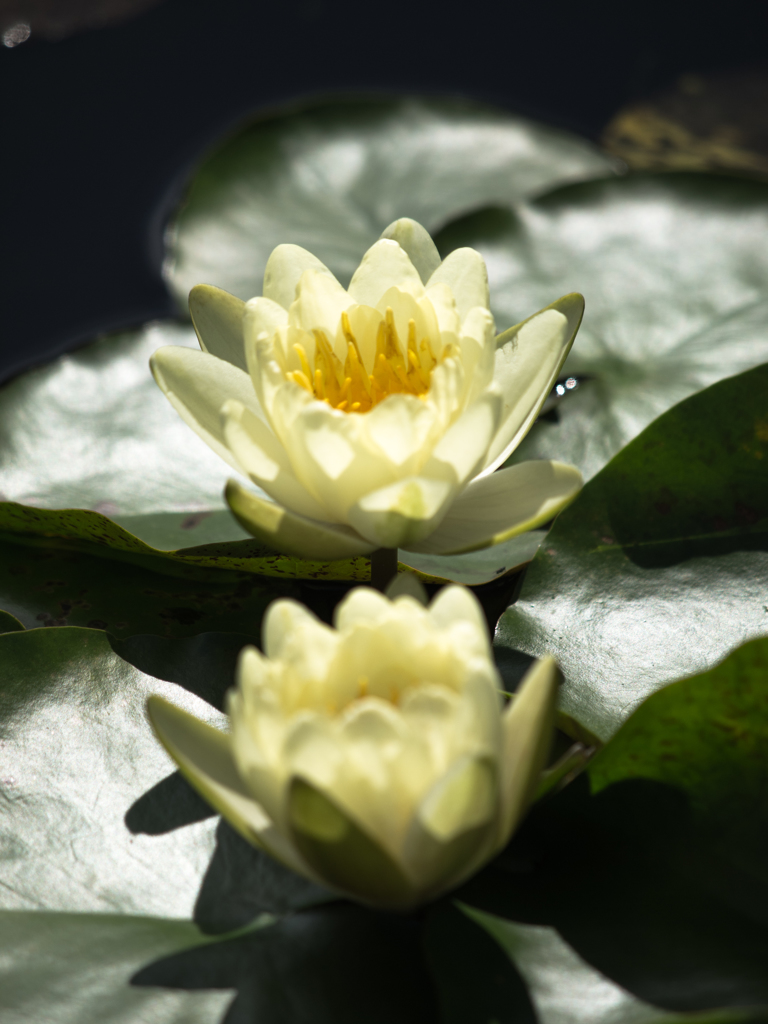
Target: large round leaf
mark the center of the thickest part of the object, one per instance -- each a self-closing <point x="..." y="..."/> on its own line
<point x="93" y="430"/>
<point x="333" y="176"/>
<point x="660" y="566"/>
<point x="652" y="865"/>
<point x="674" y="270"/>
<point x="95" y="816"/>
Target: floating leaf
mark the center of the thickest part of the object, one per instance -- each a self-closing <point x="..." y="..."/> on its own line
<point x="657" y="878"/>
<point x="674" y="271"/>
<point x="660" y="566"/>
<point x="333" y="176"/>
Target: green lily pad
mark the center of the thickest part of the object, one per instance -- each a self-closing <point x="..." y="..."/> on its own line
<point x="674" y="271"/>
<point x="332" y="176"/>
<point x="646" y="879"/>
<point x="96" y="819"/>
<point x="61" y="968"/>
<point x="565" y="989"/>
<point x="660" y="566"/>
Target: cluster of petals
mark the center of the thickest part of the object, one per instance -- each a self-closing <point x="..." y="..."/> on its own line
<point x="378" y="757"/>
<point x="376" y="415"/>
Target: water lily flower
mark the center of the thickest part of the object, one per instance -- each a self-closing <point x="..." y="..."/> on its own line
<point x="375" y="416"/>
<point x="376" y="757"/>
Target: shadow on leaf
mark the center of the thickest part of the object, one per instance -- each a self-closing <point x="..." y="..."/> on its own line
<point x="337" y="964"/>
<point x="629" y="884"/>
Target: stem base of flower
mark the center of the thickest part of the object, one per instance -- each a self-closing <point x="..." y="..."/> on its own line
<point x="383" y="567"/>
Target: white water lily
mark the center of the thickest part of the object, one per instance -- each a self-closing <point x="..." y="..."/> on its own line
<point x="375" y="416"/>
<point x="376" y="758"/>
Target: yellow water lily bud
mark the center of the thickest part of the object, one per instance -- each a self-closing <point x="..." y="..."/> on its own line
<point x="376" y="757"/>
<point x="375" y="415"/>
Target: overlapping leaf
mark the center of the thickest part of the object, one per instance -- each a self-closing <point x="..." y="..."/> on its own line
<point x="660" y="567"/>
<point x="333" y="176"/>
<point x="674" y="270"/>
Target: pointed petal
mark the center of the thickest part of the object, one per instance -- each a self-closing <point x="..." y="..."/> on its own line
<point x="341" y="853"/>
<point x="452" y="831"/>
<point x="386" y="265"/>
<point x="528" y="359"/>
<point x="217" y="317"/>
<point x="261" y="455"/>
<point x="402" y="513"/>
<point x="499" y="506"/>
<point x="528" y="725"/>
<point x="204" y="757"/>
<point x="292" y="533"/>
<point x="320" y="301"/>
<point x="197" y="385"/>
<point x="262" y="316"/>
<point x="464" y="444"/>
<point x="417" y="242"/>
<point x="283" y="272"/>
<point x="464" y="272"/>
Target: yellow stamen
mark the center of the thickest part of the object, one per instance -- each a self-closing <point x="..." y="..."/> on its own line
<point x="397" y="369"/>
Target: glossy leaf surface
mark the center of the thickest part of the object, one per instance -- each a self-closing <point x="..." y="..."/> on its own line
<point x="330" y="178"/>
<point x="660" y="566"/>
<point x="674" y="271"/>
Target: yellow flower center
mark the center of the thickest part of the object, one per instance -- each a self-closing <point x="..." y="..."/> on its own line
<point x="349" y="387"/>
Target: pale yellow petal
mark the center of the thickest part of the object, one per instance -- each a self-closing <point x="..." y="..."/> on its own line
<point x="464" y="272"/>
<point x="417" y="242"/>
<point x="197" y="386"/>
<point x="283" y="272"/>
<point x="463" y="446"/>
<point x="263" y="457"/>
<point x="528" y="360"/>
<point x="386" y="265"/>
<point x="291" y="533"/>
<point x="217" y="317"/>
<point x="204" y="757"/>
<point x="403" y="513"/>
<point x="499" y="506"/>
<point x="528" y="726"/>
<point x="320" y="301"/>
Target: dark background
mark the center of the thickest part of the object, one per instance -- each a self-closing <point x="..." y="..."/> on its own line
<point x="100" y="128"/>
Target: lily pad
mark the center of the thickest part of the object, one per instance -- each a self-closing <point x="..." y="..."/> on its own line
<point x="332" y="176"/>
<point x="651" y="866"/>
<point x="61" y="968"/>
<point x="660" y="566"/>
<point x="674" y="271"/>
<point x="96" y="819"/>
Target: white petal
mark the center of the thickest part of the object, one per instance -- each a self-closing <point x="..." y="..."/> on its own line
<point x="262" y="317"/>
<point x="363" y="604"/>
<point x="384" y="266"/>
<point x="217" y="317"/>
<point x="264" y="459"/>
<point x="401" y="427"/>
<point x="320" y="301"/>
<point x="464" y="445"/>
<point x="403" y="513"/>
<point x="499" y="506"/>
<point x="528" y="360"/>
<point x="198" y="385"/>
<point x="204" y="757"/>
<point x="331" y="456"/>
<point x="464" y="272"/>
<point x="463" y="799"/>
<point x="458" y="604"/>
<point x="417" y="242"/>
<point x="291" y="533"/>
<point x="284" y="623"/>
<point x="283" y="272"/>
<point x="528" y="727"/>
